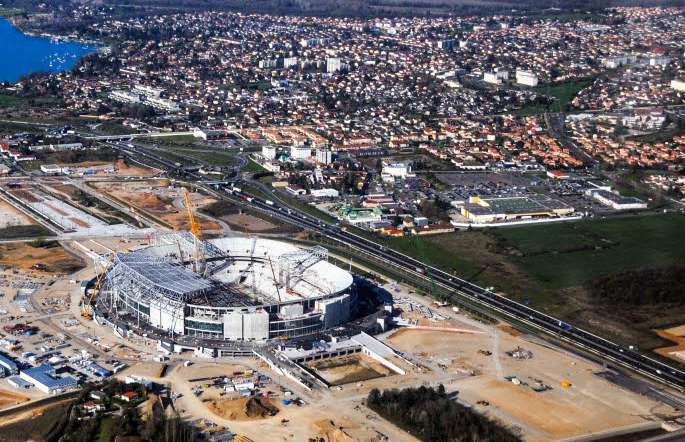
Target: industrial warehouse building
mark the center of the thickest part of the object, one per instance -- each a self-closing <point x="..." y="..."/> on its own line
<point x="614" y="200"/>
<point x="7" y="366"/>
<point x="248" y="289"/>
<point x="487" y="210"/>
<point x="45" y="379"/>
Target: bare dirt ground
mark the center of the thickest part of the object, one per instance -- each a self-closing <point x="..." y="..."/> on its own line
<point x="27" y="258"/>
<point x="9" y="216"/>
<point x="9" y="399"/>
<point x="677" y="336"/>
<point x="156" y="198"/>
<point x="28" y="414"/>
<point x="348" y="369"/>
<point x="242" y="409"/>
<point x="249" y="223"/>
<point x="590" y="405"/>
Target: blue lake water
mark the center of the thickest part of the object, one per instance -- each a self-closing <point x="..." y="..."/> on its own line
<point x="22" y="54"/>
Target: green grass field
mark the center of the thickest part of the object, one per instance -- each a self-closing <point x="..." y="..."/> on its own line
<point x="253" y="167"/>
<point x="563" y="92"/>
<point x="214" y="157"/>
<point x="569" y="254"/>
<point x="537" y="261"/>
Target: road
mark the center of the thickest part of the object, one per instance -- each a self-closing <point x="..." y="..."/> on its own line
<point x="462" y="291"/>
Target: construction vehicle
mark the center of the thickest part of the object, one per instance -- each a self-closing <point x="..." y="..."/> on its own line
<point x="86" y="306"/>
<point x="199" y="263"/>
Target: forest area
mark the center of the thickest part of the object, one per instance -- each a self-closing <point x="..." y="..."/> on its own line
<point x="434" y="415"/>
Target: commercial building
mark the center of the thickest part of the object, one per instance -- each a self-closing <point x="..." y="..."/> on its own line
<point x="391" y="171"/>
<point x="526" y="78"/>
<point x="45" y="379"/>
<point x="488" y="210"/>
<point x="51" y="169"/>
<point x="7" y="366"/>
<point x="361" y="216"/>
<point x="616" y="201"/>
<point x="325" y="193"/>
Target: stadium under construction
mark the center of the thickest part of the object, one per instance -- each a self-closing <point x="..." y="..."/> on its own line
<point x="236" y="289"/>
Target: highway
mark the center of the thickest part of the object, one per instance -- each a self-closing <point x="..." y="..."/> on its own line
<point x="507" y="308"/>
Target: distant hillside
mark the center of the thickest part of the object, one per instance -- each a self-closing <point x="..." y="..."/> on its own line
<point x="358" y="8"/>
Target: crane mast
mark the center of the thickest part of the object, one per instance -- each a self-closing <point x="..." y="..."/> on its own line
<point x="86" y="304"/>
<point x="199" y="259"/>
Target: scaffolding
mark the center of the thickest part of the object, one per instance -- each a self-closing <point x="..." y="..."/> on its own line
<point x="292" y="265"/>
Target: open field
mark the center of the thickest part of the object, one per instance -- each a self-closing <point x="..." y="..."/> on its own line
<point x="343" y="370"/>
<point x="568" y="254"/>
<point x="44" y="258"/>
<point x="590" y="404"/>
<point x="549" y="257"/>
<point x="249" y="223"/>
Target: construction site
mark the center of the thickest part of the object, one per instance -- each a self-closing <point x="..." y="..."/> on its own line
<point x="247" y="330"/>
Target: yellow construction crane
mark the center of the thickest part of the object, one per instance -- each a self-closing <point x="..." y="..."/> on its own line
<point x="85" y="306"/>
<point x="199" y="264"/>
<point x="194" y="225"/>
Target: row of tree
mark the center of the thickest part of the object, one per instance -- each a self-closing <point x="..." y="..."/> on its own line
<point x="433" y="415"/>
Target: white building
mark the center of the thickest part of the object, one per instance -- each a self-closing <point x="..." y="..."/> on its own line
<point x="325" y="193"/>
<point x="51" y="169"/>
<point x="333" y="64"/>
<point x="289" y="62"/>
<point x="147" y="91"/>
<point x="678" y="85"/>
<point x="300" y="153"/>
<point x="396" y="170"/>
<point x="616" y="201"/>
<point x="526" y="78"/>
<point x="269" y="152"/>
<point x="491" y="77"/>
<point x="323" y="156"/>
<point x="659" y="61"/>
<point x="124" y="97"/>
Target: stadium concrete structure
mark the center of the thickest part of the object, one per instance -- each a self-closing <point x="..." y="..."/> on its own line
<point x="243" y="290"/>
